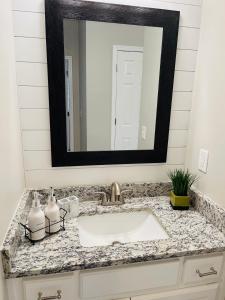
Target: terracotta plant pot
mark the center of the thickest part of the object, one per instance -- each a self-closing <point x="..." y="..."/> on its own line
<point x="179" y="202"/>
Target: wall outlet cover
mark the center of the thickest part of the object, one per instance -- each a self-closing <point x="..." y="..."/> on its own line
<point x="203" y="160"/>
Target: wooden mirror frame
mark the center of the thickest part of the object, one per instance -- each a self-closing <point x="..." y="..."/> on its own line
<point x="55" y="12"/>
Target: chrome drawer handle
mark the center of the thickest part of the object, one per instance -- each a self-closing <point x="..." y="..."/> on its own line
<point x="212" y="272"/>
<point x="58" y="296"/>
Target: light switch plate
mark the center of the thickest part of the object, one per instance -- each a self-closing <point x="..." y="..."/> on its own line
<point x="143" y="132"/>
<point x="203" y="160"/>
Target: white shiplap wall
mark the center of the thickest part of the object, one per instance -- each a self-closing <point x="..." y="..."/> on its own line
<point x="30" y="49"/>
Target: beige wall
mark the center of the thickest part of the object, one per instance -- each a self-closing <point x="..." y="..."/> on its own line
<point x="208" y="121"/>
<point x="11" y="164"/>
<point x="100" y="38"/>
<point x="150" y="83"/>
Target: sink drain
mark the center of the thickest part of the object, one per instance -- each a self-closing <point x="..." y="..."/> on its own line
<point x="114" y="243"/>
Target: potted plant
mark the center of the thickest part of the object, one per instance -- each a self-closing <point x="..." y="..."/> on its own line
<point x="181" y="182"/>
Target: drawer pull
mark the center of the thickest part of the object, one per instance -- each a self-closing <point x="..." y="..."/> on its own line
<point x="58" y="296"/>
<point x="212" y="272"/>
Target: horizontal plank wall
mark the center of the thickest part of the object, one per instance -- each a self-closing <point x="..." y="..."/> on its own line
<point x="30" y="49"/>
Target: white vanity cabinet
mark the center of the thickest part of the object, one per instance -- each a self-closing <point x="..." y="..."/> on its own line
<point x="189" y="278"/>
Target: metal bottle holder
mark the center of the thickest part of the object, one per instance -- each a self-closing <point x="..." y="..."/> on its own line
<point x="28" y="231"/>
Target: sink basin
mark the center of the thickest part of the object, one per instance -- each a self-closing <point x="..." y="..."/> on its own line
<point x="125" y="227"/>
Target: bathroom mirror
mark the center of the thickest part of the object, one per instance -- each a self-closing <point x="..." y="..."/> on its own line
<point x="110" y="71"/>
<point x="111" y="80"/>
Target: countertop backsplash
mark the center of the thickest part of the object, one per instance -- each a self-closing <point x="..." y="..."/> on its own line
<point x="87" y="192"/>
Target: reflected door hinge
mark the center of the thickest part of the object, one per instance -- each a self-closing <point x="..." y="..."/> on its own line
<point x="115" y="121"/>
<point x="68" y="114"/>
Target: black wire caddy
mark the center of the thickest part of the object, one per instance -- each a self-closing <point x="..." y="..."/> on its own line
<point x="28" y="232"/>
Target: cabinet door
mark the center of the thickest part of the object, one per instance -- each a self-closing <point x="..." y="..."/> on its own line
<point x="111" y="283"/>
<point x="207" y="292"/>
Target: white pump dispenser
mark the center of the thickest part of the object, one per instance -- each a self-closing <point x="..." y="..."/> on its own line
<point x="53" y="215"/>
<point x="36" y="220"/>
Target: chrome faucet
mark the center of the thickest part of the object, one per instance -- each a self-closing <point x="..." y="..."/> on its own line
<point x="115" y="198"/>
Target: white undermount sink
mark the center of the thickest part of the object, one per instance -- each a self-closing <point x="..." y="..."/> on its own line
<point x="125" y="227"/>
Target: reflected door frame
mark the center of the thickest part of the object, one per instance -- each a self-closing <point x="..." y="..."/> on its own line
<point x="116" y="49"/>
<point x="69" y="102"/>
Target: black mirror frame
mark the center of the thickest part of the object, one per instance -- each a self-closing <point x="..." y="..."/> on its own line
<point x="56" y="11"/>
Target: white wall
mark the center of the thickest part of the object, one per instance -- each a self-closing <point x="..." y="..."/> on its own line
<point x="11" y="163"/>
<point x="29" y="32"/>
<point x="208" y="121"/>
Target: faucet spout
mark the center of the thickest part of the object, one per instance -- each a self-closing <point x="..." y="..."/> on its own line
<point x="115" y="193"/>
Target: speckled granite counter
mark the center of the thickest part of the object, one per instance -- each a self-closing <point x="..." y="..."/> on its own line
<point x="190" y="233"/>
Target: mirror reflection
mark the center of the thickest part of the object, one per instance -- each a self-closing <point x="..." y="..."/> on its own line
<point x="111" y="79"/>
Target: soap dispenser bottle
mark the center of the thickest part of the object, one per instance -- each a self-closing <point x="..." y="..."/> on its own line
<point x="36" y="220"/>
<point x="53" y="215"/>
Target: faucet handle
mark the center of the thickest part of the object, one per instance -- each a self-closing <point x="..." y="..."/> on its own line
<point x="125" y="191"/>
<point x="105" y="198"/>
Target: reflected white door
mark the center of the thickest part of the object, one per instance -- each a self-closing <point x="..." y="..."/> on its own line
<point x="127" y="98"/>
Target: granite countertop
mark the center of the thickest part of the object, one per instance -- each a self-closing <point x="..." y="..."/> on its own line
<point x="189" y="232"/>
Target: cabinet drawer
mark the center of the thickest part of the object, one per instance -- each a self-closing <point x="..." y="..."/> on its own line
<point x="202" y="269"/>
<point x="49" y="287"/>
<point x="206" y="292"/>
<point x="109" y="283"/>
